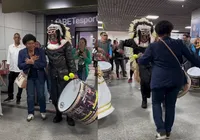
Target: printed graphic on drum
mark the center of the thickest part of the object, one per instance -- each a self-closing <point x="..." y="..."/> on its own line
<point x="79" y="101"/>
<point x="104" y="66"/>
<point x="194" y="74"/>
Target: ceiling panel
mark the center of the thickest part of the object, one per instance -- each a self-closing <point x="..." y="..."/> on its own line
<point x="118" y="14"/>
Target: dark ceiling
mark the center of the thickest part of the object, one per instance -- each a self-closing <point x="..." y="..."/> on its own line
<point x="74" y="10"/>
<point x="50" y="6"/>
<point x="118" y="14"/>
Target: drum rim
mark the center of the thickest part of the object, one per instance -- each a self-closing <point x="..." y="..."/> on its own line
<point x="106" y="69"/>
<point x="74" y="100"/>
<point x="191" y="76"/>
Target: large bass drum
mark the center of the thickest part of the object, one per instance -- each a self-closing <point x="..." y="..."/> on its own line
<point x="79" y="101"/>
<point x="106" y="69"/>
<point x="105" y="107"/>
<point x="194" y="74"/>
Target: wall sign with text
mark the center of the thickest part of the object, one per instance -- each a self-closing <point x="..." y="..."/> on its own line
<point x="74" y="20"/>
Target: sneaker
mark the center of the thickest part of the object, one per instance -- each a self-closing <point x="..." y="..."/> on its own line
<point x="44" y="116"/>
<point x="8" y="99"/>
<point x="168" y="135"/>
<point x="130" y="81"/>
<point x="30" y="117"/>
<point x="161" y="136"/>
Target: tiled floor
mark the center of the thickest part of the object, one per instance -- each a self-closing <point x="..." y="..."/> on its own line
<point x="128" y="121"/>
<point x="13" y="125"/>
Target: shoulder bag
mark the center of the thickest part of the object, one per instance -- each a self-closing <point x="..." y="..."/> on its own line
<point x="186" y="85"/>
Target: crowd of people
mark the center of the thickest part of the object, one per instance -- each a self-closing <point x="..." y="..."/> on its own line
<point x="157" y="63"/>
<point x="45" y="68"/>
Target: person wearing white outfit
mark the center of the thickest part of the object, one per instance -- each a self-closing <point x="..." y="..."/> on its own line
<point x="12" y="62"/>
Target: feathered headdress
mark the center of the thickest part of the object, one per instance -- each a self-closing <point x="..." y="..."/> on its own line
<point x="68" y="35"/>
<point x="140" y="24"/>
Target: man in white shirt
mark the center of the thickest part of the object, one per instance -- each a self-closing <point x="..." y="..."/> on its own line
<point x="12" y="62"/>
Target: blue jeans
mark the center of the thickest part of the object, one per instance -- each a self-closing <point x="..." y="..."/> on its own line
<point x="169" y="96"/>
<point x="32" y="84"/>
<point x="82" y="74"/>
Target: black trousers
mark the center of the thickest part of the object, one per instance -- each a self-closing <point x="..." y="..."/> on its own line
<point x="57" y="86"/>
<point x="120" y="62"/>
<point x="11" y="78"/>
<point x="145" y="79"/>
<point x="112" y="63"/>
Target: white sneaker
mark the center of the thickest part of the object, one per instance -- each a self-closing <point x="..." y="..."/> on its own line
<point x="30" y="117"/>
<point x="161" y="136"/>
<point x="44" y="116"/>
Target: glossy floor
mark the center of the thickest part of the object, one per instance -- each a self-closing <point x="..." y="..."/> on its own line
<point x="130" y="122"/>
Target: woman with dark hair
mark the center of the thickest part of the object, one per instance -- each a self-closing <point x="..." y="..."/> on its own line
<point x="32" y="61"/>
<point x="167" y="76"/>
<point x="83" y="56"/>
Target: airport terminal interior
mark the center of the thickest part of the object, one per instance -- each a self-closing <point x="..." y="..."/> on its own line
<point x="94" y="70"/>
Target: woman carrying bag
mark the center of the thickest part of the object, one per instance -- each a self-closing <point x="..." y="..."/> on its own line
<point x="32" y="62"/>
<point x="167" y="78"/>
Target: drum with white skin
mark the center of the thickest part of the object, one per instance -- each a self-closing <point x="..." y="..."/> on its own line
<point x="194" y="74"/>
<point x="105" y="107"/>
<point x="105" y="68"/>
<point x="79" y="101"/>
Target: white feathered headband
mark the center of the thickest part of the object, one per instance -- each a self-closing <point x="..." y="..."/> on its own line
<point x="62" y="29"/>
<point x="140" y="24"/>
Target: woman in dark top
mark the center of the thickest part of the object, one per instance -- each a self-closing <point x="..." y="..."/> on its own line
<point x="118" y="56"/>
<point x="32" y="61"/>
<point x="167" y="76"/>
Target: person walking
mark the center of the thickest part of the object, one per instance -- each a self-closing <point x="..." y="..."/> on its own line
<point x="167" y="76"/>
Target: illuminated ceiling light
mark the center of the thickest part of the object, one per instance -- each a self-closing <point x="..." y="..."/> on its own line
<point x="175" y="31"/>
<point x="100" y="22"/>
<point x="177" y="0"/>
<point x="152" y="17"/>
<point x="188" y="27"/>
<point x="57" y="5"/>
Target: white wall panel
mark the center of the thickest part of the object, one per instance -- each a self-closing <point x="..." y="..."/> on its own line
<point x="40" y="38"/>
<point x="28" y="22"/>
<point x="2" y="19"/>
<point x="3" y="55"/>
<point x="40" y="28"/>
<point x="13" y="20"/>
<point x="2" y="38"/>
